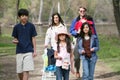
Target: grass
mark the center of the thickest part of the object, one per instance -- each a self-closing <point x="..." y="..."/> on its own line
<point x="6" y="46"/>
<point x="109" y="47"/>
<point x="110" y="51"/>
<point x="114" y="63"/>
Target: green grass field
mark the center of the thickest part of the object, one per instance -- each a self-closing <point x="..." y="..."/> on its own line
<point x="110" y="51"/>
<point x="6" y="45"/>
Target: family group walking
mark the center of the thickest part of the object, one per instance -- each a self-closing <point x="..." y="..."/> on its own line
<point x="69" y="49"/>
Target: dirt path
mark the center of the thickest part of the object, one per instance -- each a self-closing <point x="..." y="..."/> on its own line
<point x="8" y="67"/>
<point x="7" y="70"/>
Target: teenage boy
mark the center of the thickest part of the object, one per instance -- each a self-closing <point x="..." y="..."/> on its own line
<point x="24" y="37"/>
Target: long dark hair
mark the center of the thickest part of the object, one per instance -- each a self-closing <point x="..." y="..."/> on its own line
<point x="82" y="34"/>
<point x="68" y="44"/>
<point x="60" y="19"/>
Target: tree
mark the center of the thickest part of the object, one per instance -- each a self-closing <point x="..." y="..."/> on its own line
<point x="67" y="10"/>
<point x="40" y="12"/>
<point x="51" y="12"/>
<point x="116" y="8"/>
<point x="17" y="8"/>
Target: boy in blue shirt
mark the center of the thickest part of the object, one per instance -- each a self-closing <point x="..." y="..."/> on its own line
<point x="24" y="37"/>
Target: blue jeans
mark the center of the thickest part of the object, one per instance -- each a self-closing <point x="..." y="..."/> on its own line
<point x="62" y="73"/>
<point x="88" y="69"/>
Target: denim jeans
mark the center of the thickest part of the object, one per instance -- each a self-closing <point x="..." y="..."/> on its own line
<point x="62" y="73"/>
<point x="88" y="68"/>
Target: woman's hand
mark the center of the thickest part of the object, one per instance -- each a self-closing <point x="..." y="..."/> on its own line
<point x="46" y="46"/>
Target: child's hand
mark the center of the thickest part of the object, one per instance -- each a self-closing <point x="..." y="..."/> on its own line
<point x="78" y="31"/>
<point x="60" y="58"/>
<point x="34" y="54"/>
<point x="83" y="51"/>
<point x="83" y="20"/>
<point x="15" y="41"/>
<point x="92" y="49"/>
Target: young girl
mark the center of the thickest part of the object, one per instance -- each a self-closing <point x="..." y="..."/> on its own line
<point x="88" y="45"/>
<point x="63" y="55"/>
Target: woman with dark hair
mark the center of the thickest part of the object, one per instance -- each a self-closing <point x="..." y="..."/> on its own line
<point x="82" y="33"/>
<point x="88" y="45"/>
<point x="82" y="17"/>
<point x="54" y="21"/>
<point x="56" y="25"/>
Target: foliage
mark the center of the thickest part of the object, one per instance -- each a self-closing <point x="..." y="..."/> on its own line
<point x="25" y="4"/>
<point x="8" y="9"/>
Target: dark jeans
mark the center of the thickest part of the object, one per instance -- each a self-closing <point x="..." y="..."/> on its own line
<point x="76" y="57"/>
<point x="62" y="73"/>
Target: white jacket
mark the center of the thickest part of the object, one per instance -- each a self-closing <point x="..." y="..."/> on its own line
<point x="51" y="33"/>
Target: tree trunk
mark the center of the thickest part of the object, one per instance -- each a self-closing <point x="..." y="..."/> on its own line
<point x="17" y="8"/>
<point x="51" y="12"/>
<point x="0" y="29"/>
<point x="117" y="14"/>
<point x="40" y="12"/>
<point x="59" y="7"/>
<point x="67" y="10"/>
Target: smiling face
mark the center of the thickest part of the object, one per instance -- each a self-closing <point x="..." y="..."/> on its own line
<point x="86" y="29"/>
<point x="23" y="18"/>
<point x="62" y="37"/>
<point x="82" y="11"/>
<point x="56" y="19"/>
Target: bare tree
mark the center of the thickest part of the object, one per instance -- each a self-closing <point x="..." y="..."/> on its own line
<point x="67" y="10"/>
<point x="116" y="7"/>
<point x="51" y="12"/>
<point x="40" y="12"/>
<point x="59" y="7"/>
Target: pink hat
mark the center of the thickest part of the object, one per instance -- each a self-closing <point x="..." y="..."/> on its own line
<point x="62" y="31"/>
